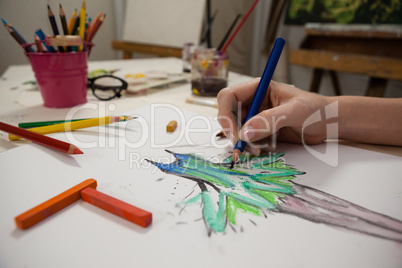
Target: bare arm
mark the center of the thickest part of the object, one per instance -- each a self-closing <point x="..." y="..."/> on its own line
<point x="370" y="120"/>
<point x="287" y="109"/>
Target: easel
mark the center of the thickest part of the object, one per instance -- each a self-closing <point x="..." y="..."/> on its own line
<point x="160" y="31"/>
<point x="360" y="49"/>
<point x="129" y="48"/>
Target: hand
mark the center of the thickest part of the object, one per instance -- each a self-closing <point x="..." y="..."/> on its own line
<point x="281" y="117"/>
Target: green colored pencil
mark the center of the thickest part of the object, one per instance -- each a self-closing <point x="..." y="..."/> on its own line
<point x="28" y="125"/>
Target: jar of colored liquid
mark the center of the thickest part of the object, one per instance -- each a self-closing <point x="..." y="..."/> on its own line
<point x="209" y="71"/>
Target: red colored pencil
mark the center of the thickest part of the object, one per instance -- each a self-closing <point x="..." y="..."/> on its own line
<point x="225" y="38"/>
<point x="239" y="26"/>
<point x="41" y="139"/>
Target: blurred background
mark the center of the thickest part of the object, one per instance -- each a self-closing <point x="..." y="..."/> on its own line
<point x="247" y="53"/>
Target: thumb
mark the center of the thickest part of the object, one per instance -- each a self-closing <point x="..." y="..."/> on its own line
<point x="268" y="122"/>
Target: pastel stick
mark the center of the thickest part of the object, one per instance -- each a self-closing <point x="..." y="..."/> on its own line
<point x="53" y="205"/>
<point x="117" y="207"/>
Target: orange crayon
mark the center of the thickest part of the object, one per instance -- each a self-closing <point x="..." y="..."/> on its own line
<point x="117" y="207"/>
<point x="171" y="126"/>
<point x="53" y="205"/>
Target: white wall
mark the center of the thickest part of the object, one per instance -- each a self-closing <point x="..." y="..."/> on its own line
<point x="245" y="52"/>
<point x="28" y="15"/>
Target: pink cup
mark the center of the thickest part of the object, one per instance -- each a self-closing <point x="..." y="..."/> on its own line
<point x="61" y="77"/>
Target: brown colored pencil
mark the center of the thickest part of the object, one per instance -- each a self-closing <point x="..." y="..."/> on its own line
<point x="38" y="44"/>
<point x="41" y="139"/>
<point x="18" y="38"/>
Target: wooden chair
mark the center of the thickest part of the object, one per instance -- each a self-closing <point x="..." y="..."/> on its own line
<point x="356" y="49"/>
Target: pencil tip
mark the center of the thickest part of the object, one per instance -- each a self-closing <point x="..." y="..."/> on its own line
<point x="232" y="165"/>
<point x="114" y="119"/>
<point x="77" y="151"/>
<point x="235" y="157"/>
<point x="48" y="7"/>
<point x="127" y="118"/>
<point x="4" y="21"/>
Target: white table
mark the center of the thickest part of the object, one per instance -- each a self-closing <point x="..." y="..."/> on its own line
<point x="23" y="103"/>
<point x="84" y="236"/>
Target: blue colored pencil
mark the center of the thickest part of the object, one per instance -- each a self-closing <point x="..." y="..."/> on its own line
<point x="260" y="93"/>
<point x="42" y="37"/>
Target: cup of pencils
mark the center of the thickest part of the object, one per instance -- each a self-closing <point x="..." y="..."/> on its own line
<point x="209" y="71"/>
<point x="59" y="61"/>
<point x="61" y="77"/>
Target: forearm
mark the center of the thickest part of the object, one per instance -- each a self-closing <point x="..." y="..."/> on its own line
<point x="370" y="120"/>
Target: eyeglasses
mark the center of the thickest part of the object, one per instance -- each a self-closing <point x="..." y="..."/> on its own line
<point x="107" y="87"/>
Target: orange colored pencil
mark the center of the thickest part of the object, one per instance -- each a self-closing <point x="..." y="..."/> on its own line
<point x="41" y="139"/>
<point x="53" y="205"/>
<point x="90" y="27"/>
<point x="96" y="27"/>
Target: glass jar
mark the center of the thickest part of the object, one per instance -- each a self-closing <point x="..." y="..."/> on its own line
<point x="209" y="72"/>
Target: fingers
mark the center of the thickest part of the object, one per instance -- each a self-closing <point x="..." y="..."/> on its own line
<point x="265" y="145"/>
<point x="231" y="101"/>
<point x="268" y="122"/>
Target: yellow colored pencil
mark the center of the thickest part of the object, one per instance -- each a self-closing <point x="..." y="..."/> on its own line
<point x="69" y="126"/>
<point x="71" y="22"/>
<point x="82" y="23"/>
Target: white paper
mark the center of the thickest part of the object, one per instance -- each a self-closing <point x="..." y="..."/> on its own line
<point x="83" y="235"/>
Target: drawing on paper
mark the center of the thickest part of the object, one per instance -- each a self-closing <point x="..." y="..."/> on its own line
<point x="260" y="184"/>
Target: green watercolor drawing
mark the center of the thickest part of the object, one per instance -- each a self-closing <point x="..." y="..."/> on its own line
<point x="260" y="184"/>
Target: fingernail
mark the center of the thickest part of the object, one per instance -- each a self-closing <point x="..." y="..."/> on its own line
<point x="248" y="133"/>
<point x="254" y="150"/>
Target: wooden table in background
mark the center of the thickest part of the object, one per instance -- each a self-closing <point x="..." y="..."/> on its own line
<point x="359" y="49"/>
